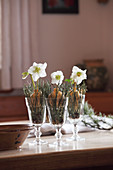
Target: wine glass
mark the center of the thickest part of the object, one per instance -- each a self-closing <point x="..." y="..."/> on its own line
<point x="37" y="115"/>
<point x="57" y="116"/>
<point x="74" y="113"/>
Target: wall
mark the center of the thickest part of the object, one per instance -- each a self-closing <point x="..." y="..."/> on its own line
<point x="65" y="40"/>
<point x="60" y="40"/>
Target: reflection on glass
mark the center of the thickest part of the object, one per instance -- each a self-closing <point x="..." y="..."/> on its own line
<point x="75" y="112"/>
<point x="57" y="115"/>
<point x="37" y="114"/>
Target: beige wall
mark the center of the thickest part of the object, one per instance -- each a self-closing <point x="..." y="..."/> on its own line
<point x="65" y="40"/>
<point x="60" y="40"/>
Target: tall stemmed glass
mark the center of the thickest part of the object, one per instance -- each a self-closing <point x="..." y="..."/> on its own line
<point x="57" y="116"/>
<point x="75" y="112"/>
<point x="76" y="99"/>
<point x="34" y="97"/>
<point x="37" y="115"/>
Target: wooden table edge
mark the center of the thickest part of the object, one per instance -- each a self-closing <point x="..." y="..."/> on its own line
<point x="61" y="159"/>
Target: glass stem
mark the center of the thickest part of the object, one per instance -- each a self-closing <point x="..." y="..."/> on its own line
<point x="75" y="131"/>
<point x="37" y="134"/>
<point x="58" y="135"/>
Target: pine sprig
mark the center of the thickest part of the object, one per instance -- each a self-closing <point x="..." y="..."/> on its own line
<point x="82" y="88"/>
<point x="91" y="119"/>
<point x="65" y="88"/>
<point x="28" y="90"/>
<point x="45" y="87"/>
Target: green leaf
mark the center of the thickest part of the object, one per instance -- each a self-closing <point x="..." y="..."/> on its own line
<point x="68" y="80"/>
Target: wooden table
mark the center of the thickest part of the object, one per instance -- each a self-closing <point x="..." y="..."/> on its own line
<point x="95" y="152"/>
<point x="100" y="101"/>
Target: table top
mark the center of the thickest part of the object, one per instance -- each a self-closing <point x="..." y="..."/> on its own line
<point x="96" y="150"/>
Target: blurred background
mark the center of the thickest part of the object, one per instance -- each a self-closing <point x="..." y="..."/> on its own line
<point x="29" y="34"/>
<point x="61" y="40"/>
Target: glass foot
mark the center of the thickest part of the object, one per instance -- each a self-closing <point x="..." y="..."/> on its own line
<point x="40" y="142"/>
<point x="75" y="138"/>
<point x="58" y="143"/>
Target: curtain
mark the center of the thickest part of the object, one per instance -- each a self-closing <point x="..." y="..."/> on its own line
<point x="20" y="46"/>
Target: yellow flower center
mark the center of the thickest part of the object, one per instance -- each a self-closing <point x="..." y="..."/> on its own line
<point x="79" y="74"/>
<point x="37" y="69"/>
<point x="58" y="77"/>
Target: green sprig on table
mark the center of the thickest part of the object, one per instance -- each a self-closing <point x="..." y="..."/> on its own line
<point x="101" y="121"/>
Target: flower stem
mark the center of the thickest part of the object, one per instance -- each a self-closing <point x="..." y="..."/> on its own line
<point x="37" y="84"/>
<point x="32" y="81"/>
<point x="75" y="86"/>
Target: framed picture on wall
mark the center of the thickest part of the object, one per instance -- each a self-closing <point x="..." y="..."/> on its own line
<point x="60" y="6"/>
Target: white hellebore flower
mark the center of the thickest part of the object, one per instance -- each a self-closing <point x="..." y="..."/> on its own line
<point x="37" y="70"/>
<point x="57" y="77"/>
<point x="78" y="75"/>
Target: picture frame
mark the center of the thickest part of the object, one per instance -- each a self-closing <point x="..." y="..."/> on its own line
<point x="60" y="6"/>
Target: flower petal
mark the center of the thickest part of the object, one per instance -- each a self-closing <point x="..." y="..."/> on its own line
<point x="30" y="70"/>
<point x="35" y="76"/>
<point x="35" y="64"/>
<point x="42" y="74"/>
